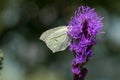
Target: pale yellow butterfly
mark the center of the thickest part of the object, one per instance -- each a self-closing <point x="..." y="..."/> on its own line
<point x="56" y="39"/>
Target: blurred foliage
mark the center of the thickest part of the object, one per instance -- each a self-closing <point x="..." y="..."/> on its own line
<point x="1" y="58"/>
<point x="27" y="58"/>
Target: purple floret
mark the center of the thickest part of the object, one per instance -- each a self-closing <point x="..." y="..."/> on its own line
<point x="82" y="29"/>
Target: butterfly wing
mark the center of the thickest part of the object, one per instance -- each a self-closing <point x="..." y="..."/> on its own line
<point x="56" y="39"/>
<point x="49" y="32"/>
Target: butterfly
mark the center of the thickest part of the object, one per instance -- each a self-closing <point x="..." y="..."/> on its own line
<point x="56" y="39"/>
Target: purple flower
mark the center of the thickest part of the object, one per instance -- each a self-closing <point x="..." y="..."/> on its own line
<point x="82" y="29"/>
